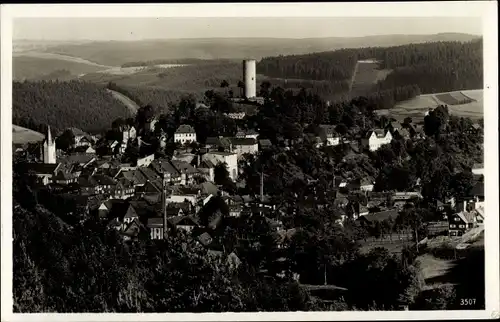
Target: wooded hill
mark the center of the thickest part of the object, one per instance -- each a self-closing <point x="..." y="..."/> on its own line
<point x="433" y="67"/>
<point x="65" y="104"/>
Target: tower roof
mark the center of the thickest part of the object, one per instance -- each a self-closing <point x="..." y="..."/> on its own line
<point x="49" y="135"/>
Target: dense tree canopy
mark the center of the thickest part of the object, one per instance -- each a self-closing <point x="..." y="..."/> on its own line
<point x="65" y="104"/>
<point x="427" y="68"/>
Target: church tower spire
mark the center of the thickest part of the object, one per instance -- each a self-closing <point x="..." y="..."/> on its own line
<point x="49" y="149"/>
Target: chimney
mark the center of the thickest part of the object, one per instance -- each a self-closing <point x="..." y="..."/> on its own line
<point x="198" y="160"/>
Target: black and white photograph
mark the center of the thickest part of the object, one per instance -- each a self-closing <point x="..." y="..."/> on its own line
<point x="239" y="158"/>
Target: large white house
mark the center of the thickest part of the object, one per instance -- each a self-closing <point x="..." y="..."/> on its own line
<point x="374" y="139"/>
<point x="185" y="134"/>
<point x="231" y="160"/>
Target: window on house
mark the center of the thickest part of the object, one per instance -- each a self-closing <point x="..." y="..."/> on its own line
<point x="461" y="226"/>
<point x="457" y="219"/>
<point x="452" y="226"/>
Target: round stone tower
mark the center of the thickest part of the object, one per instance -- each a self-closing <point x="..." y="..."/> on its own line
<point x="249" y="78"/>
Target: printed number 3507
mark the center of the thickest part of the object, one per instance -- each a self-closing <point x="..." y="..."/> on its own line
<point x="467" y="301"/>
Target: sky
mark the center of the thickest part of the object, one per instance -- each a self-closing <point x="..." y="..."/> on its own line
<point x="275" y="27"/>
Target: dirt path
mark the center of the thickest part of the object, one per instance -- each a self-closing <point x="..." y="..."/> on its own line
<point x="130" y="104"/>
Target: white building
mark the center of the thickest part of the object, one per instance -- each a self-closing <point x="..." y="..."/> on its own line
<point x="146" y="161"/>
<point x="236" y="115"/>
<point x="376" y="138"/>
<point x="49" y="149"/>
<point x="231" y="160"/>
<point x="241" y="146"/>
<point x="185" y="134"/>
<point x="327" y="135"/>
<point x="151" y="125"/>
<point x="478" y="169"/>
<point x="128" y="132"/>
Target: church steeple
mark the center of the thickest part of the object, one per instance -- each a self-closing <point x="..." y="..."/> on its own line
<point x="49" y="148"/>
<point x="49" y="136"/>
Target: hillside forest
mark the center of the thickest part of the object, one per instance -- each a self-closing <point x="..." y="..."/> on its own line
<point x="432" y="67"/>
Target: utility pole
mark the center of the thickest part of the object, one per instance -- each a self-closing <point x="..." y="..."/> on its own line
<point x="261" y="191"/>
<point x="164" y="205"/>
<point x="325" y="273"/>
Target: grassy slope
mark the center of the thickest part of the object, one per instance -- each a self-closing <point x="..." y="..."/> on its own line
<point x="191" y="78"/>
<point x="33" y="68"/>
<point x="21" y="135"/>
<point x="120" y="52"/>
<point x="416" y="107"/>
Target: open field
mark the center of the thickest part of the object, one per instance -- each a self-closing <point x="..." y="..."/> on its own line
<point x="416" y="107"/>
<point x="130" y="104"/>
<point x="37" y="68"/>
<point x="197" y="78"/>
<point x="21" y="135"/>
<point x="40" y="65"/>
<point x="367" y="74"/>
<point x="55" y="56"/>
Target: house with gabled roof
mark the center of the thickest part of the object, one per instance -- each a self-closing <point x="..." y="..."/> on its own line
<point x="461" y="222"/>
<point x="207" y="169"/>
<point x="132" y="230"/>
<point x="185" y="134"/>
<point x="82" y="159"/>
<point x="106" y="184"/>
<point x="241" y="146"/>
<point x="43" y="171"/>
<point x="327" y="134"/>
<point x="145" y="161"/>
<point x="185" y="223"/>
<point x="374" y="139"/>
<point x="64" y="177"/>
<point x="88" y="186"/>
<point x="186" y="170"/>
<point x="183" y="193"/>
<point x="123" y="189"/>
<point x="80" y="138"/>
<point x="218" y="143"/>
<point x="165" y="167"/>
